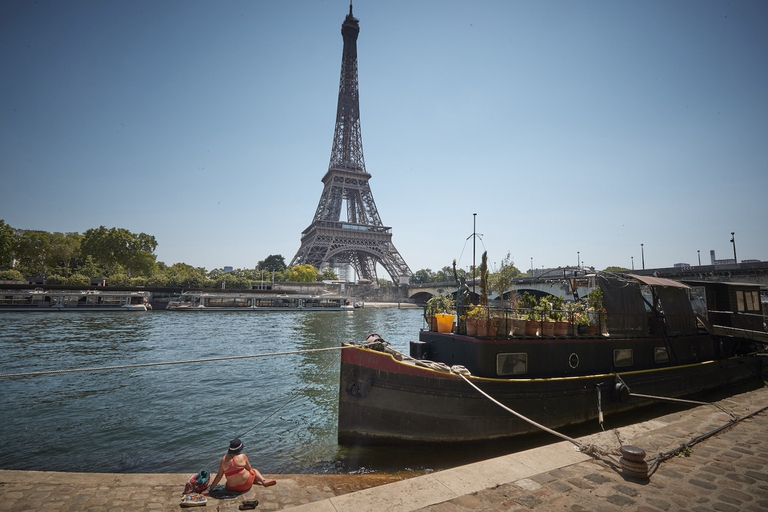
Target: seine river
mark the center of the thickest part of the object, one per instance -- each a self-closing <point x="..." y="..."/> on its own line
<point x="180" y="418"/>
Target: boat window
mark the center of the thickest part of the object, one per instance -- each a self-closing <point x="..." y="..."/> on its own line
<point x="622" y="357"/>
<point x="752" y="301"/>
<point x="511" y="363"/>
<point x="648" y="296"/>
<point x="740" y="301"/>
<point x="660" y="355"/>
<point x="699" y="301"/>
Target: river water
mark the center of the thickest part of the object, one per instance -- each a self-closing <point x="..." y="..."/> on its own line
<point x="180" y="418"/>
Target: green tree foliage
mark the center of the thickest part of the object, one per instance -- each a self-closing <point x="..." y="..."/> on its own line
<point x="118" y="246"/>
<point x="32" y="251"/>
<point x="422" y="276"/>
<point x="7" y="244"/>
<point x="65" y="249"/>
<point x="502" y="280"/>
<point x="11" y="275"/>
<point x="615" y="269"/>
<point x="301" y="274"/>
<point x="187" y="276"/>
<point x="272" y="263"/>
<point x="78" y="280"/>
<point x="444" y="275"/>
<point x="328" y="275"/>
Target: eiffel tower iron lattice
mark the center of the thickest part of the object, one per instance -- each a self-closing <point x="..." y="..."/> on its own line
<point x="361" y="240"/>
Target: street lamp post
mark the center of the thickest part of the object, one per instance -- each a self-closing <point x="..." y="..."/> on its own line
<point x="642" y="254"/>
<point x="733" y="241"/>
<point x="578" y="259"/>
<point x="698" y="253"/>
<point x="474" y="239"/>
<point x="633" y="262"/>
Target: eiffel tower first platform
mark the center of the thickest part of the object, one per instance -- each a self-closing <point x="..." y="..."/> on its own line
<point x="361" y="240"/>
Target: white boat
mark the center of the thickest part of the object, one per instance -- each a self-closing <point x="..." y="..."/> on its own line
<point x="42" y="300"/>
<point x="220" y="301"/>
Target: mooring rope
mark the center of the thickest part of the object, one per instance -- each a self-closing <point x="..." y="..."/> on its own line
<point x="676" y="400"/>
<point x="168" y="363"/>
<point x="661" y="457"/>
<point x="537" y="425"/>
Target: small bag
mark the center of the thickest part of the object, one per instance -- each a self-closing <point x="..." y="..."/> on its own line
<point x="197" y="483"/>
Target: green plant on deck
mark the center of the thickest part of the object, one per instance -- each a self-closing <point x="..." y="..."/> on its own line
<point x="581" y="318"/>
<point x="527" y="305"/>
<point x="595" y="299"/>
<point x="477" y="311"/>
<point x="544" y="309"/>
<point x="440" y="303"/>
<point x="557" y="314"/>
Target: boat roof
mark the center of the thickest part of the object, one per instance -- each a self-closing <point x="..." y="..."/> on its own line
<point x="658" y="281"/>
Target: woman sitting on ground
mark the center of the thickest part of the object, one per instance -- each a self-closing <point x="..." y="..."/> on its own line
<point x="237" y="468"/>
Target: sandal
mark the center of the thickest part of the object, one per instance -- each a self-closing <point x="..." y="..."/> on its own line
<point x="249" y="504"/>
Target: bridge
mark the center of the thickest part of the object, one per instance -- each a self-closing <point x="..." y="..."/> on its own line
<point x="556" y="282"/>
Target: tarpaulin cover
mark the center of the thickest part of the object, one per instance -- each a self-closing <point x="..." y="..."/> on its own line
<point x="658" y="281"/>
<point x="678" y="312"/>
<point x="623" y="302"/>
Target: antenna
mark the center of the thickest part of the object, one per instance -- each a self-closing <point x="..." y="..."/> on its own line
<point x="350" y="7"/>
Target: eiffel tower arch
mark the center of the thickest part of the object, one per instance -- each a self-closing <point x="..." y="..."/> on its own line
<point x="360" y="240"/>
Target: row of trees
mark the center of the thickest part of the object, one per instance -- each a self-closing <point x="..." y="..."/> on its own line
<point x="124" y="258"/>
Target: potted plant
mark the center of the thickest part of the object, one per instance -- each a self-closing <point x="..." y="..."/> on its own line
<point x="545" y="316"/>
<point x="474" y="315"/>
<point x="581" y="321"/>
<point x="598" y="314"/>
<point x="440" y="313"/>
<point x="431" y="309"/>
<point x="558" y="316"/>
<point x="570" y="309"/>
<point x="530" y="312"/>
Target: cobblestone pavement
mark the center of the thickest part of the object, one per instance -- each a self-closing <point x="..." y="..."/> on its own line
<point x="108" y="492"/>
<point x="725" y="472"/>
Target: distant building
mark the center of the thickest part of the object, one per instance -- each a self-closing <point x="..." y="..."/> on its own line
<point x="227" y="269"/>
<point x="680" y="265"/>
<point x="715" y="261"/>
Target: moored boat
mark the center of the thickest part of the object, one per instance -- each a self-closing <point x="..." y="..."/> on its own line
<point x="225" y="301"/>
<point x="42" y="300"/>
<point x="648" y="342"/>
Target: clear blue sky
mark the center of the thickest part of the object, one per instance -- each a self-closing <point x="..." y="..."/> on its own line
<point x="590" y="126"/>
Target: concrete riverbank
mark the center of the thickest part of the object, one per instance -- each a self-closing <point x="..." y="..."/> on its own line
<point x="727" y="471"/>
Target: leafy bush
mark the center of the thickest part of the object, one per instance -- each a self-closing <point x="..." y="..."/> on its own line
<point x="11" y="275"/>
<point x="79" y="280"/>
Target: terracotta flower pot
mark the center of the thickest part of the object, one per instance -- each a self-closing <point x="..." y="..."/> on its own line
<point x="561" y="328"/>
<point x="482" y="327"/>
<point x="471" y="326"/>
<point x="532" y="327"/>
<point x="518" y="327"/>
<point x="548" y="329"/>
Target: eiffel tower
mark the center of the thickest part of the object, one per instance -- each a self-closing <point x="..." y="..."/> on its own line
<point x="361" y="240"/>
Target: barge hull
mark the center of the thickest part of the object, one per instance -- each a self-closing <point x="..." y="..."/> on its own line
<point x="382" y="400"/>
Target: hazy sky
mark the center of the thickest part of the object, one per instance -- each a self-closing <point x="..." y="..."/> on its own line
<point x="567" y="126"/>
